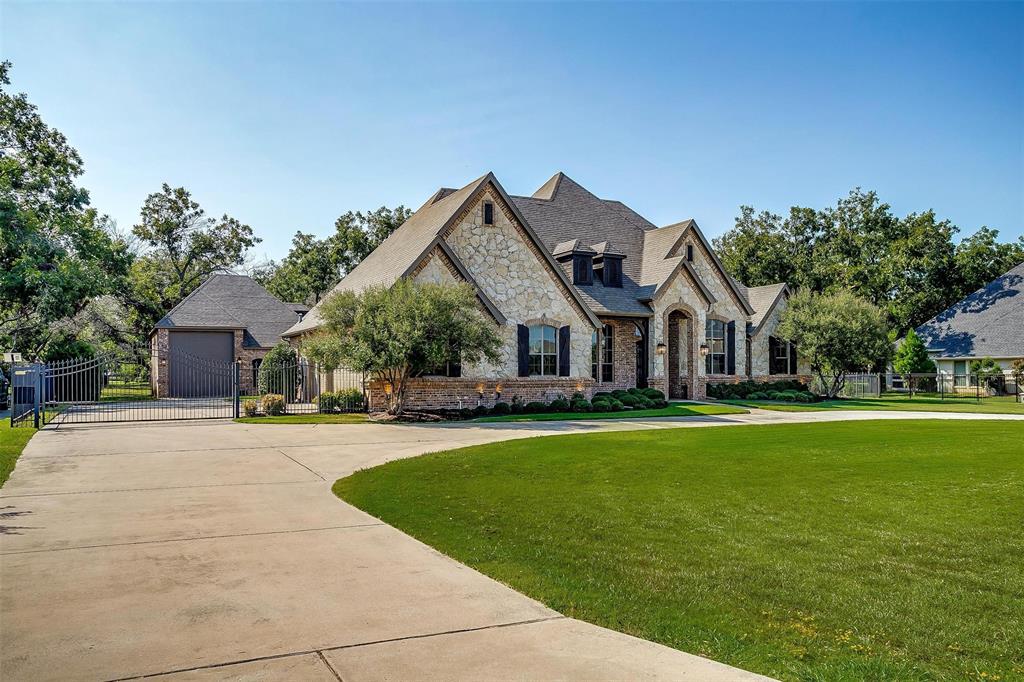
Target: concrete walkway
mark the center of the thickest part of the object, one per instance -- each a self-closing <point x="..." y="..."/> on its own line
<point x="214" y="550"/>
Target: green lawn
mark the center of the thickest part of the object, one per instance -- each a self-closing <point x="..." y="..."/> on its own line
<point x="837" y="551"/>
<point x="347" y="418"/>
<point x="673" y="410"/>
<point x="994" y="405"/>
<point x="12" y="442"/>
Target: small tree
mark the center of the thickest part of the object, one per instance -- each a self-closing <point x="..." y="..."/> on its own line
<point x="838" y="333"/>
<point x="912" y="358"/>
<point x="399" y="332"/>
<point x="1017" y="370"/>
<point x="986" y="370"/>
<point x="278" y="372"/>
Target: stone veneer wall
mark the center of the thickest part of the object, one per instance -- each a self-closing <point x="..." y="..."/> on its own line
<point x="759" y="361"/>
<point x="430" y="393"/>
<point x="514" y="274"/>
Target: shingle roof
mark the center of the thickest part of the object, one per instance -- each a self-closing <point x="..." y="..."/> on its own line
<point x="762" y="300"/>
<point x="227" y="301"/>
<point x="988" y="323"/>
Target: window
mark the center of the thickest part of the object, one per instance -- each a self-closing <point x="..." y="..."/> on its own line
<point x="714" y="363"/>
<point x="543" y="350"/>
<point x="612" y="272"/>
<point x="689" y="252"/>
<point x="959" y="373"/>
<point x="778" y="360"/>
<point x="256" y="371"/>
<point x="608" y="353"/>
<point x="582" y="270"/>
<point x="594" y="354"/>
<point x="488" y="213"/>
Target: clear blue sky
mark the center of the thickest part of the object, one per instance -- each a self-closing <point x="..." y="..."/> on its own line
<point x="286" y="115"/>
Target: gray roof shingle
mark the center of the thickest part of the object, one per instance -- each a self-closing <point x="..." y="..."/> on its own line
<point x="762" y="300"/>
<point x="988" y="323"/>
<point x="226" y="301"/>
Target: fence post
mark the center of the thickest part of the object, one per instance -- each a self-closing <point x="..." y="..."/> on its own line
<point x="37" y="394"/>
<point x="236" y="380"/>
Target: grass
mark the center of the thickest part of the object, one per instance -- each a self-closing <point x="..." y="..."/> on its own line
<point x="835" y="551"/>
<point x="898" y="402"/>
<point x="673" y="410"/>
<point x="345" y="418"/>
<point x="12" y="442"/>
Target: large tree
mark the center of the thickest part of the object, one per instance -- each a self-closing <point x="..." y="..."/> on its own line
<point x="837" y="333"/>
<point x="399" y="332"/>
<point x="313" y="266"/>
<point x="56" y="253"/>
<point x="909" y="267"/>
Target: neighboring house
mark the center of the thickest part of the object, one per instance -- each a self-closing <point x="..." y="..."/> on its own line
<point x="988" y="323"/>
<point x="588" y="295"/>
<point x="227" y="318"/>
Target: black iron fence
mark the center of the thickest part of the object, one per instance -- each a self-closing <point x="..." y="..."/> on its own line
<point x="300" y="388"/>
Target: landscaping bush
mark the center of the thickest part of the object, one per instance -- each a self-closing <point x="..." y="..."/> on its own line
<point x="517" y="406"/>
<point x="619" y="393"/>
<point x="535" y="407"/>
<point x="634" y="391"/>
<point x="580" y="404"/>
<point x="559" y="405"/>
<point x="480" y="411"/>
<point x="758" y="395"/>
<point x="501" y="408"/>
<point x="250" y="407"/>
<point x="350" y="399"/>
<point x="627" y="399"/>
<point x="617" y="405"/>
<point x="327" y="402"/>
<point x="601" y="406"/>
<point x="278" y="373"/>
<point x="653" y="394"/>
<point x="601" y="394"/>
<point x="659" y="404"/>
<point x="744" y="390"/>
<point x="273" y="404"/>
<point x="643" y="403"/>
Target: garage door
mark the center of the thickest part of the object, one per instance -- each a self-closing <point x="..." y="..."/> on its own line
<point x="200" y="364"/>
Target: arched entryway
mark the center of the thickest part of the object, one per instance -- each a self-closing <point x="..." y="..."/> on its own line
<point x="681" y="353"/>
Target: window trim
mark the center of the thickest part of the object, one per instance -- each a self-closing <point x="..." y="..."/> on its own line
<point x="710" y="326"/>
<point x="781" y="345"/>
<point x="542" y="354"/>
<point x="607" y="354"/>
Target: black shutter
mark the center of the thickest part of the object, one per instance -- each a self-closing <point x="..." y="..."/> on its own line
<point x="792" y="358"/>
<point x="730" y="348"/>
<point x="524" y="350"/>
<point x="773" y="345"/>
<point x="563" y="352"/>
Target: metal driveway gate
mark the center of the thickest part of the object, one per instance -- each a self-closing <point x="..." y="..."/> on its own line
<point x="122" y="386"/>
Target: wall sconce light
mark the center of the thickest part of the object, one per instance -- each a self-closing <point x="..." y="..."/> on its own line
<point x="498" y="388"/>
<point x="579" y="387"/>
<point x="660" y="349"/>
<point x="388" y="388"/>
<point x="704" y="350"/>
<point x="480" y="389"/>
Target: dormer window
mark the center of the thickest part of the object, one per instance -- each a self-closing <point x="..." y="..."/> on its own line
<point x="488" y="213"/>
<point x="611" y="272"/>
<point x="582" y="270"/>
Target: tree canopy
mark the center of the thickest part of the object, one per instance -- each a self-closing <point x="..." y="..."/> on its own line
<point x="909" y="267"/>
<point x="313" y="266"/>
<point x="912" y="357"/>
<point x="399" y="332"/>
<point x="56" y="253"/>
<point x="838" y="333"/>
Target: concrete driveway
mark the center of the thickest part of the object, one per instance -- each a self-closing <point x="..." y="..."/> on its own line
<point x="214" y="550"/>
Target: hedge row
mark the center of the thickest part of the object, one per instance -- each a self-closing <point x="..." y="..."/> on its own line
<point x="615" y="401"/>
<point x="792" y="391"/>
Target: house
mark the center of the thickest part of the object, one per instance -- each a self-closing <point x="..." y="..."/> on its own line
<point x="988" y="323"/>
<point x="588" y="294"/>
<point x="228" y="318"/>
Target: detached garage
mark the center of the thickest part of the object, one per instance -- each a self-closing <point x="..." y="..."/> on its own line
<point x="228" y="318"/>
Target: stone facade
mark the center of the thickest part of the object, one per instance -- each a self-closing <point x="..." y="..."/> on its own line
<point x="760" y="363"/>
<point x="513" y="273"/>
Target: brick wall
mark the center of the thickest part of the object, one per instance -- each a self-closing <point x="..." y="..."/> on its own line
<point x="623" y="356"/>
<point x="433" y="393"/>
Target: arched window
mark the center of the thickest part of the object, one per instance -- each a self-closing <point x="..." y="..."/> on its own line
<point x="543" y="350"/>
<point x="714" y="363"/>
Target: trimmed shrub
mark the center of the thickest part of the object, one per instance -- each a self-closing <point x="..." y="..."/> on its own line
<point x="601" y="406"/>
<point x="653" y="394"/>
<point x="517" y="406"/>
<point x="618" y="393"/>
<point x="758" y="395"/>
<point x="559" y="405"/>
<point x="501" y="408"/>
<point x="659" y="404"/>
<point x="480" y="411"/>
<point x="628" y="399"/>
<point x="327" y="402"/>
<point x="250" y="408"/>
<point x="350" y="399"/>
<point x="535" y="407"/>
<point x="580" y="404"/>
<point x="643" y="403"/>
<point x="273" y="404"/>
<point x="634" y="391"/>
<point x="617" y="405"/>
<point x="601" y="394"/>
<point x="278" y="373"/>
